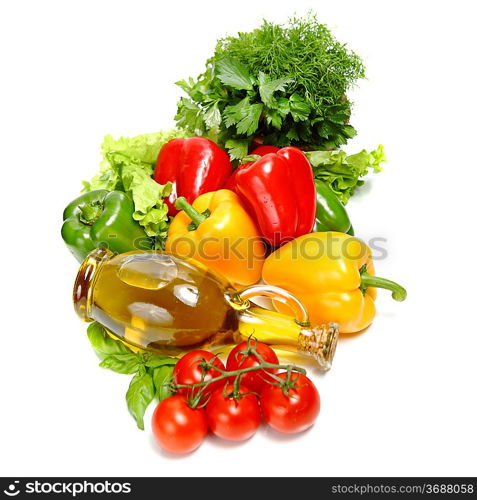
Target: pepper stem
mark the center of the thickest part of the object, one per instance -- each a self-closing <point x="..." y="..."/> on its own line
<point x="369" y="280"/>
<point x="89" y="213"/>
<point x="196" y="217"/>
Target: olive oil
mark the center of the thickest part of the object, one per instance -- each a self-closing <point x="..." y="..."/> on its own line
<point x="166" y="304"/>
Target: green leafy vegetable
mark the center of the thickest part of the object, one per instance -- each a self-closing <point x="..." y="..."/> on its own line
<point x="162" y="378"/>
<point x="285" y="84"/>
<point x="237" y="148"/>
<point x="152" y="373"/>
<point x="234" y="74"/>
<point x="140" y="393"/>
<point x="103" y="344"/>
<point x="128" y="165"/>
<point x="342" y="172"/>
<point x="121" y="363"/>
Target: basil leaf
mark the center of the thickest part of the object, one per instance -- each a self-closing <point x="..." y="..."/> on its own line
<point x="122" y="363"/>
<point x="140" y="393"/>
<point x="162" y="377"/>
<point x="154" y="361"/>
<point x="103" y="344"/>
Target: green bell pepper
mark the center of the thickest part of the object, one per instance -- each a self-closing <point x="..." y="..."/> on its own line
<point x="102" y="218"/>
<point x="331" y="214"/>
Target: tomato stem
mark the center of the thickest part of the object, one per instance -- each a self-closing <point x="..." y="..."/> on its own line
<point x="239" y="372"/>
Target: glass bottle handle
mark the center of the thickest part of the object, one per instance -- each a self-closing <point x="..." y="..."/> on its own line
<point x="242" y="298"/>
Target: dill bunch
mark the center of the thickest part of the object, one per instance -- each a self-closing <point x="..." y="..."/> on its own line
<point x="278" y="84"/>
<point x="322" y="69"/>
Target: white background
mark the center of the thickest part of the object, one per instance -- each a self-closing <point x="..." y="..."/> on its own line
<point x="401" y="398"/>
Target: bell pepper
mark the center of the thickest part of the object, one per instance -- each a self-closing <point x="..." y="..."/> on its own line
<point x="102" y="218"/>
<point x="217" y="231"/>
<point x="260" y="151"/>
<point x="280" y="190"/>
<point x="331" y="214"/>
<point x="333" y="275"/>
<point x="194" y="166"/>
<point x="265" y="150"/>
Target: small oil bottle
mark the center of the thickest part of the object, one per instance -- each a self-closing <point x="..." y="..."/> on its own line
<point x="169" y="305"/>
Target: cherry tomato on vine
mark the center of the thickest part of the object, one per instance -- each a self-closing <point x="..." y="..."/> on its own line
<point x="241" y="357"/>
<point x="177" y="427"/>
<point x="188" y="370"/>
<point x="294" y="412"/>
<point x="230" y="418"/>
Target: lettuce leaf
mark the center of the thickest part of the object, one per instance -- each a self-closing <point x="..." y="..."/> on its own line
<point x="343" y="172"/>
<point x="128" y="165"/>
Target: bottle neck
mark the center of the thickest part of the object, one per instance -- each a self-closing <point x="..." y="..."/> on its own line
<point x="275" y="328"/>
<point x="85" y="279"/>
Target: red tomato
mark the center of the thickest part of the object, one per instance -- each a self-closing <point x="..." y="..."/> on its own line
<point x="240" y="358"/>
<point x="188" y="371"/>
<point x="177" y="427"/>
<point x="233" y="419"/>
<point x="295" y="412"/>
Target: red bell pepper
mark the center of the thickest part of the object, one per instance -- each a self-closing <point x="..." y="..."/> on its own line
<point x="260" y="151"/>
<point x="280" y="190"/>
<point x="194" y="166"/>
<point x="264" y="150"/>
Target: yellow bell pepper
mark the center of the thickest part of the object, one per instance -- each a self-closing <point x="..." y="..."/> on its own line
<point x="333" y="275"/>
<point x="218" y="232"/>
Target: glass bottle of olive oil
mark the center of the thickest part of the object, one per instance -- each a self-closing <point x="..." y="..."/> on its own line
<point x="168" y="305"/>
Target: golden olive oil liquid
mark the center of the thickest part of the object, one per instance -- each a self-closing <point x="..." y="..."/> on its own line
<point x="163" y="303"/>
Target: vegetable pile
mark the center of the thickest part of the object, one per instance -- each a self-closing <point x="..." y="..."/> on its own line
<point x="251" y="189"/>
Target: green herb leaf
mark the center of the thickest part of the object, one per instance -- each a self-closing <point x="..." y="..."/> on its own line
<point x="299" y="109"/>
<point x="189" y="117"/>
<point x="293" y="134"/>
<point x="103" y="344"/>
<point x="274" y="118"/>
<point x="249" y="123"/>
<point x="139" y="395"/>
<point x="268" y="87"/>
<point x="212" y="116"/>
<point x="237" y="148"/>
<point x="236" y="112"/>
<point x="162" y="378"/>
<point x="297" y="70"/>
<point x="154" y="361"/>
<point x="122" y="363"/>
<point x="233" y="73"/>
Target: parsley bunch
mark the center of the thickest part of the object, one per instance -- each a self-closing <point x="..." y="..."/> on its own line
<point x="279" y="84"/>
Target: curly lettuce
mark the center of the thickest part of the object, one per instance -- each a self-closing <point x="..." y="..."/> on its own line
<point x="128" y="165"/>
<point x="343" y="172"/>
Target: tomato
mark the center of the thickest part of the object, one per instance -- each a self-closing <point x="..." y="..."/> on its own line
<point x="240" y="358"/>
<point x="177" y="427"/>
<point x="233" y="419"/>
<point x="295" y="412"/>
<point x="188" y="371"/>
